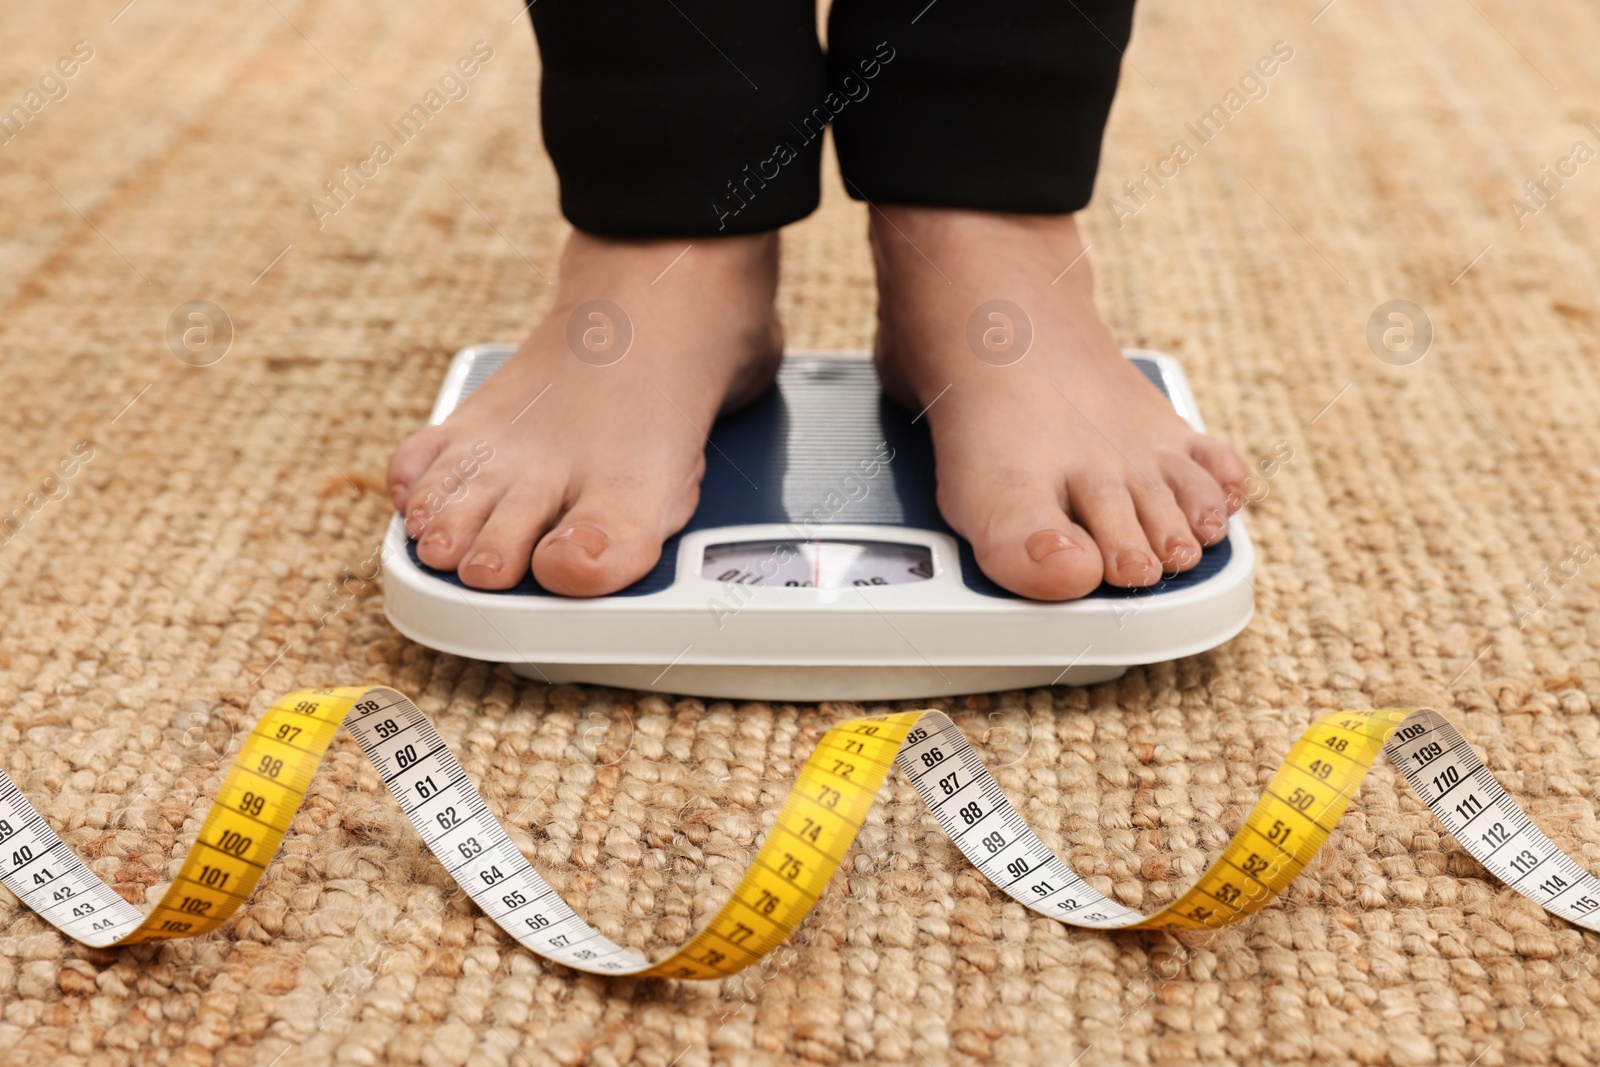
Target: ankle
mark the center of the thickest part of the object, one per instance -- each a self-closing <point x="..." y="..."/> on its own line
<point x="902" y="236"/>
<point x="706" y="304"/>
<point x="960" y="223"/>
<point x="747" y="264"/>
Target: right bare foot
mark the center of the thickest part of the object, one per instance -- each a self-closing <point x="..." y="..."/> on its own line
<point x="586" y="483"/>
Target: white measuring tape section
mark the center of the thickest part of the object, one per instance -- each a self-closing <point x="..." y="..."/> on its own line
<point x="812" y="834"/>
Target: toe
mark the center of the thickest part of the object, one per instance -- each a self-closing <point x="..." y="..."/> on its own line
<point x="445" y="515"/>
<point x="608" y="539"/>
<point x="1106" y="507"/>
<point x="411" y="461"/>
<point x="1027" y="543"/>
<point x="499" y="556"/>
<point x="1166" y="528"/>
<point x="1200" y="498"/>
<point x="1224" y="465"/>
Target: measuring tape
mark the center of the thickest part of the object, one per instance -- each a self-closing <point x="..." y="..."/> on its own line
<point x="811" y="836"/>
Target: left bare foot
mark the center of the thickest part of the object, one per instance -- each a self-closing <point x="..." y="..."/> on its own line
<point x="1056" y="459"/>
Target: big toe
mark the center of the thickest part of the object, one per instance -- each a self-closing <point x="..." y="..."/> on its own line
<point x="1026" y="543"/>
<point x="604" y="543"/>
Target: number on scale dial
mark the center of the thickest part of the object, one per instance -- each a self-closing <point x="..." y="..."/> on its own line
<point x="817" y="564"/>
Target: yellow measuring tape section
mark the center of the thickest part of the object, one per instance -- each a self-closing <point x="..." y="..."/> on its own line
<point x="810" y="837"/>
<point x="1306" y="797"/>
<point x="250" y="816"/>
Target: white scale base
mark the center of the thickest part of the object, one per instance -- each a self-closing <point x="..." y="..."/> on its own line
<point x="801" y="466"/>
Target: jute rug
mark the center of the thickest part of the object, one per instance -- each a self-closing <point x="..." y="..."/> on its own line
<point x="1425" y="532"/>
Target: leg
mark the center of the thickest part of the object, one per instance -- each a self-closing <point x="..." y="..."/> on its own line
<point x="664" y="119"/>
<point x="976" y="141"/>
<point x="595" y="444"/>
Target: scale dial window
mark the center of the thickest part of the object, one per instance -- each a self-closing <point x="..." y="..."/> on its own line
<point x="817" y="564"/>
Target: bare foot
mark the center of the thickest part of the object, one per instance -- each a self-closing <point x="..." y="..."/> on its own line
<point x="1056" y="459"/>
<point x="594" y="460"/>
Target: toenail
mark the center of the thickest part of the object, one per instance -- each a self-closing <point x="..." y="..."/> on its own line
<point x="1233" y="496"/>
<point x="485" y="561"/>
<point x="437" y="539"/>
<point x="589" y="538"/>
<point x="1211" y="525"/>
<point x="1135" y="562"/>
<point x="398" y="494"/>
<point x="1048" y="543"/>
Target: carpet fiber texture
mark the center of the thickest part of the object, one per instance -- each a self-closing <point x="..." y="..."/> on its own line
<point x="1425" y="527"/>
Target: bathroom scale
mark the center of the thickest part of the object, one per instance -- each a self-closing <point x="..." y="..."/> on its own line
<point x="817" y="567"/>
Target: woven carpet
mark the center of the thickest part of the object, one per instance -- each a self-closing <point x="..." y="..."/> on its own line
<point x="1426" y="542"/>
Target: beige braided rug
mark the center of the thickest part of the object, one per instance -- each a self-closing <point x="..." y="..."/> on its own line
<point x="1425" y="544"/>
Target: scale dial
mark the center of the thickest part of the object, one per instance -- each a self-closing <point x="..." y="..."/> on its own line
<point x="817" y="564"/>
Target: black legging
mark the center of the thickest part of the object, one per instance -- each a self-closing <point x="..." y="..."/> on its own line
<point x="693" y="118"/>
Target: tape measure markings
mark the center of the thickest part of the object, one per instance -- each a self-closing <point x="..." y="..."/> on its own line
<point x="1457" y="764"/>
<point x="810" y="836"/>
<point x="28" y="839"/>
<point x="923" y="760"/>
<point x="1286" y="800"/>
<point x="480" y="846"/>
